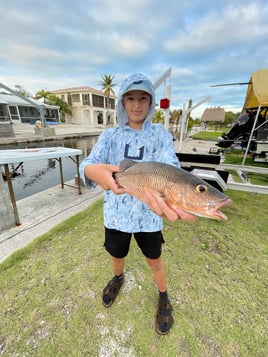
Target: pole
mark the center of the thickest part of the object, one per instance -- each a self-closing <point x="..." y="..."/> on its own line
<point x="12" y="194"/>
<point x="251" y="134"/>
<point x="182" y="123"/>
<point x="167" y="110"/>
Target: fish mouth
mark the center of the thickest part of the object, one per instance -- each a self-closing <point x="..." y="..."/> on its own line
<point x="216" y="209"/>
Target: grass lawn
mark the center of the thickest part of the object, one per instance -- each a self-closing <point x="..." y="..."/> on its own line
<point x="207" y="135"/>
<point x="50" y="297"/>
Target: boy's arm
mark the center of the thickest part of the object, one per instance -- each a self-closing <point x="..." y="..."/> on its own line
<point x="102" y="174"/>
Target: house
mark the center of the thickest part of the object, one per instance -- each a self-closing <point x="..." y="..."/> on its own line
<point x="20" y="110"/>
<point x="89" y="106"/>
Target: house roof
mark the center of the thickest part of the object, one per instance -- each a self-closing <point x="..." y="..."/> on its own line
<point x="14" y="100"/>
<point x="78" y="90"/>
<point x="213" y="114"/>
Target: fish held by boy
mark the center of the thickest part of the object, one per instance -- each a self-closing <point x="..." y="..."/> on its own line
<point x="178" y="187"/>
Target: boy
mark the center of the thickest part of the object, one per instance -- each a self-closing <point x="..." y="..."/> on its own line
<point x="138" y="139"/>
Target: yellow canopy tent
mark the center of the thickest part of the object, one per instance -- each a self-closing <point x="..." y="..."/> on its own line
<point x="257" y="92"/>
<point x="256" y="97"/>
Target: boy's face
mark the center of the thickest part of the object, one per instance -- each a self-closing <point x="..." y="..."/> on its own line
<point x="137" y="105"/>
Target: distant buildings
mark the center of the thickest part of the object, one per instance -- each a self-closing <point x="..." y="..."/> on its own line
<point x="89" y="106"/>
<point x="18" y="110"/>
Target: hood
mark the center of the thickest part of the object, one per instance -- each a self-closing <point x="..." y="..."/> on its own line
<point x="134" y="82"/>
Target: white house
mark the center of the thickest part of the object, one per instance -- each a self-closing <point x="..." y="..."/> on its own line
<point x="89" y="106"/>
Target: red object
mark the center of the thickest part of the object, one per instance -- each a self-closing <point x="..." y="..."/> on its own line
<point x="164" y="103"/>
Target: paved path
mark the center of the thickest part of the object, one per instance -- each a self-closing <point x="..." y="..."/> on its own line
<point x="41" y="212"/>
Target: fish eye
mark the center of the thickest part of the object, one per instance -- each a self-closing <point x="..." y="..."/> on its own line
<point x="201" y="188"/>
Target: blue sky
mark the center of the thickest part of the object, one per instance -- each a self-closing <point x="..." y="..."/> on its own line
<point x="65" y="43"/>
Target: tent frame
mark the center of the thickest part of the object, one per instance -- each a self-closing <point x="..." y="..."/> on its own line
<point x="251" y="135"/>
<point x="255" y="95"/>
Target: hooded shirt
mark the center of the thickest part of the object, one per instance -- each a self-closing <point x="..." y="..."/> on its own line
<point x="152" y="143"/>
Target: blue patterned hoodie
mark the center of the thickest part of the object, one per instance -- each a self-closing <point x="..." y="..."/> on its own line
<point x="152" y="143"/>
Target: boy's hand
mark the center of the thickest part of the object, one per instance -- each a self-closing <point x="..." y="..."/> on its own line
<point x="102" y="174"/>
<point x="159" y="206"/>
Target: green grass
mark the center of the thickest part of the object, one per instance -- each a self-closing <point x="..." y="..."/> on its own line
<point x="207" y="135"/>
<point x="236" y="157"/>
<point x="50" y="297"/>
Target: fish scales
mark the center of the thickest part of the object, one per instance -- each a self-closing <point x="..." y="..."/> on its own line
<point x="178" y="187"/>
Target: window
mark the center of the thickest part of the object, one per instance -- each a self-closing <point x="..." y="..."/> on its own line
<point x="97" y="101"/>
<point x="69" y="99"/>
<point x="28" y="114"/>
<point x="13" y="112"/>
<point x="85" y="99"/>
<point x="76" y="98"/>
<point x="111" y="103"/>
<point x="3" y="116"/>
<point x="51" y="115"/>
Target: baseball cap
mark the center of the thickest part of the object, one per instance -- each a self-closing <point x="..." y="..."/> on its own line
<point x="143" y="85"/>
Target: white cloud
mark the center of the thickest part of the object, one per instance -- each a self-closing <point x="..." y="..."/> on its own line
<point x="235" y="25"/>
<point x="72" y="42"/>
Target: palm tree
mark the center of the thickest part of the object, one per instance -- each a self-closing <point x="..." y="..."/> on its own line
<point x="158" y="117"/>
<point x="174" y="119"/>
<point x="64" y="107"/>
<point x="42" y="94"/>
<point x="107" y="85"/>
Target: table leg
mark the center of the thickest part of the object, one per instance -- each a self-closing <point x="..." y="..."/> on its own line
<point x="61" y="173"/>
<point x="11" y="194"/>
<point x="78" y="175"/>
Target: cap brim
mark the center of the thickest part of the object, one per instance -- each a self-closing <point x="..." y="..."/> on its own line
<point x="142" y="86"/>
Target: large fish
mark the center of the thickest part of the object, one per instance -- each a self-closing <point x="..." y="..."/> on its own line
<point x="176" y="186"/>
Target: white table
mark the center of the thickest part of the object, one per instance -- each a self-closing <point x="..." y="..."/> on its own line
<point x="19" y="156"/>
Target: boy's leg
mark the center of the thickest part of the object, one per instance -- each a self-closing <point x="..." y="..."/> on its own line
<point x="114" y="285"/>
<point x="164" y="319"/>
<point x="159" y="273"/>
<point x="151" y="246"/>
<point x="118" y="265"/>
<point x="117" y="244"/>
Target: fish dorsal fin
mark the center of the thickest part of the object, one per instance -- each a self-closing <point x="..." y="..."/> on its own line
<point x="126" y="163"/>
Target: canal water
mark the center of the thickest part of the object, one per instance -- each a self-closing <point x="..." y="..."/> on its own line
<point x="36" y="176"/>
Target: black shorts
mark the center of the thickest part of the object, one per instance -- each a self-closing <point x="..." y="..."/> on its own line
<point x="117" y="243"/>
